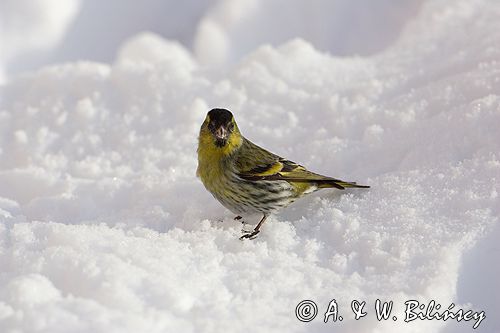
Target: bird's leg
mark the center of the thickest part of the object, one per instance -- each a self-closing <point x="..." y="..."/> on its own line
<point x="253" y="234"/>
<point x="257" y="228"/>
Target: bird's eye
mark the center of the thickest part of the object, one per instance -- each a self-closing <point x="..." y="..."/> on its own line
<point x="230" y="126"/>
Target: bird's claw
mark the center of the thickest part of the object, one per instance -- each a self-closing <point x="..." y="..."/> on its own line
<point x="249" y="234"/>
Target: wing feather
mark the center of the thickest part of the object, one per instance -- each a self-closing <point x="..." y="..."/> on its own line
<point x="257" y="164"/>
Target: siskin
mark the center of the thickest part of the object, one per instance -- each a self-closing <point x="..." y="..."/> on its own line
<point x="247" y="179"/>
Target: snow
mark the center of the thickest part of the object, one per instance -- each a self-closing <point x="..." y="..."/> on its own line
<point x="28" y="27"/>
<point x="105" y="227"/>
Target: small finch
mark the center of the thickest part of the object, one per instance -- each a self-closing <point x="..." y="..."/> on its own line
<point x="247" y="179"/>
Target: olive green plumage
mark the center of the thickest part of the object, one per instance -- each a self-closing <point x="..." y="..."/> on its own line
<point x="248" y="179"/>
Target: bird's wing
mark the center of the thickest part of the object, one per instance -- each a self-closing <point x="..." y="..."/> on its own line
<point x="254" y="163"/>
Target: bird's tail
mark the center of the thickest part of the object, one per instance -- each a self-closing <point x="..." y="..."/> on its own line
<point x="340" y="184"/>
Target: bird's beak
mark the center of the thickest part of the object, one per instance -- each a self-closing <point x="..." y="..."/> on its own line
<point x="221" y="133"/>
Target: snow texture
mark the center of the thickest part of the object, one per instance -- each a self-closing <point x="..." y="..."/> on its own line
<point x="105" y="227"/>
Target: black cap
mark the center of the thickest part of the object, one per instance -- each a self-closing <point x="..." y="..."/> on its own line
<point x="220" y="116"/>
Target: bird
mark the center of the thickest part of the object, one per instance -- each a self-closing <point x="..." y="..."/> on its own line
<point x="248" y="179"/>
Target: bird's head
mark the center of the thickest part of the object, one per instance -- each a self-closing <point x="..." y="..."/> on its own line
<point x="220" y="130"/>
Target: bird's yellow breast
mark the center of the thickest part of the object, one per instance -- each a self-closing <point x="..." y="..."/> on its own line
<point x="213" y="166"/>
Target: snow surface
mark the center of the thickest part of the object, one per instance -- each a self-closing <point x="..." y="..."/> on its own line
<point x="105" y="227"/>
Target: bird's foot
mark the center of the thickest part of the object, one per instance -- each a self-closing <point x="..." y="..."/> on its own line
<point x="249" y="234"/>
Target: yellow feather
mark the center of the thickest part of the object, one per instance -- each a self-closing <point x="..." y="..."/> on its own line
<point x="275" y="168"/>
<point x="211" y="158"/>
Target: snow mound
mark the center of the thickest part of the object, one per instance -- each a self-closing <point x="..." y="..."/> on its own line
<point x="32" y="27"/>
